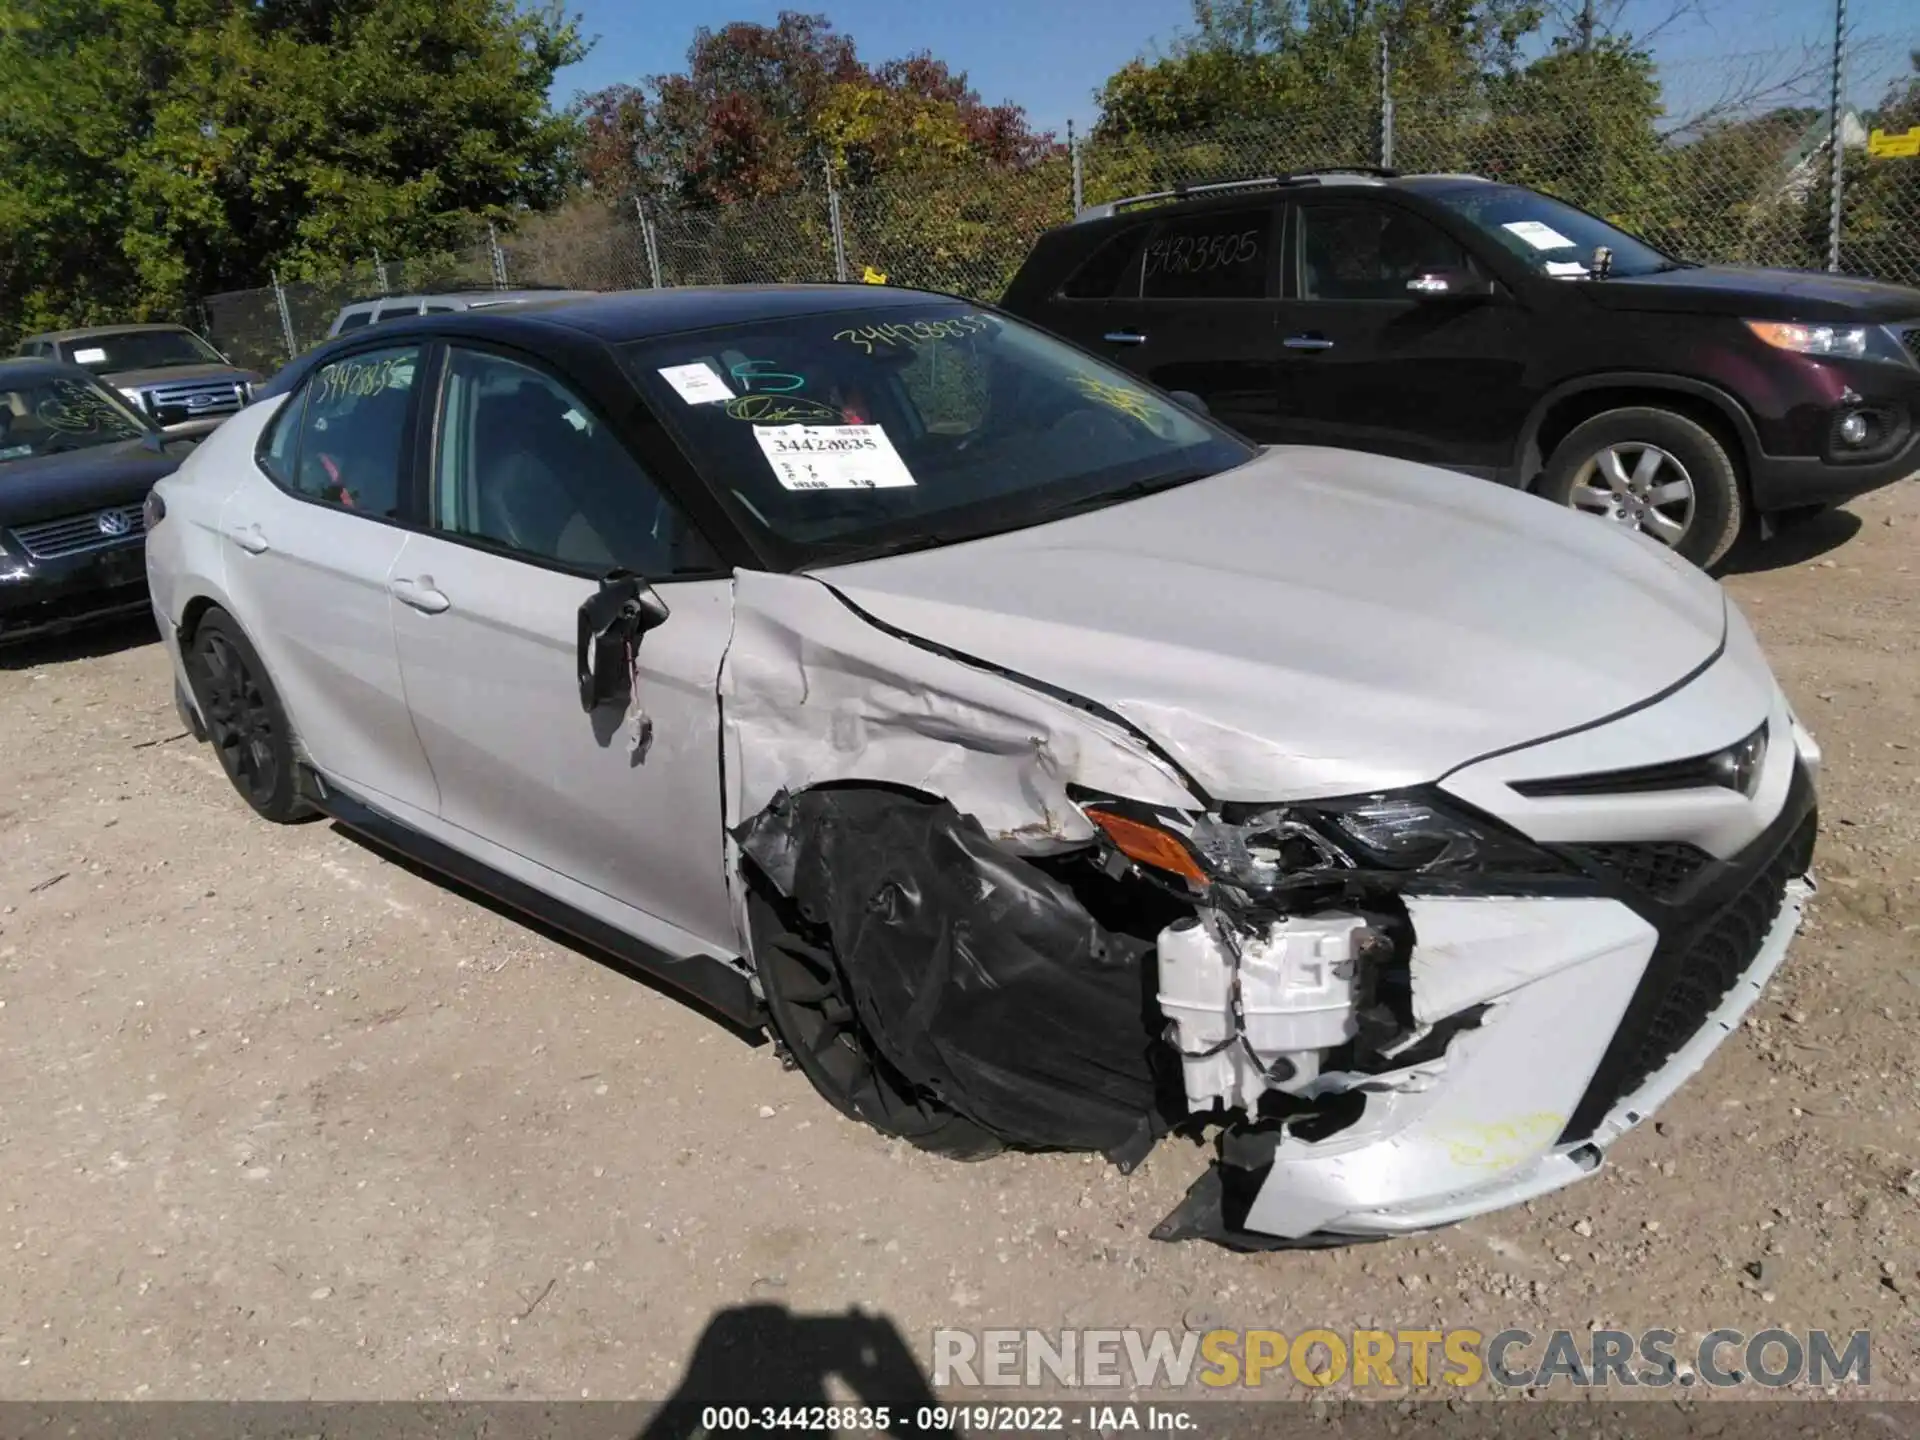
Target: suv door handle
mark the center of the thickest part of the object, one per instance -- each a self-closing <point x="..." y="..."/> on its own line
<point x="1307" y="342"/>
<point x="1124" y="337"/>
<point x="249" y="538"/>
<point x="420" y="594"/>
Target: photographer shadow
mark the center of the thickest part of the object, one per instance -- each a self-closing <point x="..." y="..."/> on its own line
<point x="766" y="1357"/>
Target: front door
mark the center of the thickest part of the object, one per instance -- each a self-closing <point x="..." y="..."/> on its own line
<point x="1368" y="364"/>
<point x="1205" y="313"/>
<point x="311" y="540"/>
<point x="533" y="498"/>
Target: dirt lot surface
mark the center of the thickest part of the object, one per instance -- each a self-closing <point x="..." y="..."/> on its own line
<point x="281" y="1118"/>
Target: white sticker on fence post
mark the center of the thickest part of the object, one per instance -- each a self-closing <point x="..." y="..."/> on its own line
<point x="1538" y="235"/>
<point x="697" y="384"/>
<point x="832" y="457"/>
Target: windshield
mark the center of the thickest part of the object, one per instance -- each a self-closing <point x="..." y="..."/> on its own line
<point x="45" y="417"/>
<point x="864" y="432"/>
<point x="139" y="350"/>
<point x="1552" y="237"/>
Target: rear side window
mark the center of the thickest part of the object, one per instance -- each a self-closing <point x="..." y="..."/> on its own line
<point x="1111" y="270"/>
<point x="1217" y="255"/>
<point x="398" y="312"/>
<point x="351" y="424"/>
<point x="437" y="307"/>
<point x="354" y="319"/>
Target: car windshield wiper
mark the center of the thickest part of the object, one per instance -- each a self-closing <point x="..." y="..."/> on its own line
<point x="1100" y="499"/>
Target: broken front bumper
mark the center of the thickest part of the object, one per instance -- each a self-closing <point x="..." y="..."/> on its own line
<point x="1587" y="1013"/>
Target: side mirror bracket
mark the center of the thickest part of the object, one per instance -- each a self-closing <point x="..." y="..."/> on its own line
<point x="611" y="622"/>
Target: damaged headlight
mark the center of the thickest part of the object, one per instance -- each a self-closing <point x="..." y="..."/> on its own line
<point x="1259" y="849"/>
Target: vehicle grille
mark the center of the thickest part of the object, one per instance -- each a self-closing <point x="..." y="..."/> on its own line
<point x="1690" y="972"/>
<point x="72" y="534"/>
<point x="1657" y="868"/>
<point x="194" y="400"/>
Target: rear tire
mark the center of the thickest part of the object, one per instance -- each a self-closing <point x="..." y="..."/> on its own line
<point x="814" y="1019"/>
<point x="1652" y="470"/>
<point x="246" y="724"/>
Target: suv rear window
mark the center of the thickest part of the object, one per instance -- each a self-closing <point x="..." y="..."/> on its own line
<point x="1110" y="270"/>
<point x="1215" y="255"/>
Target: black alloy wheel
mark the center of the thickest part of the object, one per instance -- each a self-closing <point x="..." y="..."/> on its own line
<point x="245" y="722"/>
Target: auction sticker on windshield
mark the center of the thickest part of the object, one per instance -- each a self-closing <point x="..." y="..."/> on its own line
<point x="832" y="457"/>
<point x="696" y="384"/>
<point x="1538" y="235"/>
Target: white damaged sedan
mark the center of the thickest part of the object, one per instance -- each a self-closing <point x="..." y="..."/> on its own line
<point x="1043" y="765"/>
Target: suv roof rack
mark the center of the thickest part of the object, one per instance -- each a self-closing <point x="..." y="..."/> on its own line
<point x="1314" y="175"/>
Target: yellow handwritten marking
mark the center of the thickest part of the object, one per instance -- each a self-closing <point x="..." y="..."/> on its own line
<point x="872" y="277"/>
<point x="1134" y="404"/>
<point x="1502" y="1144"/>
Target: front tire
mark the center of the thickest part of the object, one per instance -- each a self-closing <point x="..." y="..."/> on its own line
<point x="1655" y="471"/>
<point x="813" y="1017"/>
<point x="246" y="723"/>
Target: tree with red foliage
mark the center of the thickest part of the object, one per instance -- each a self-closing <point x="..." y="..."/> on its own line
<point x="760" y="109"/>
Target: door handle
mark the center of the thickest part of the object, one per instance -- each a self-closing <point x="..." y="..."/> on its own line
<point x="1124" y="337"/>
<point x="1307" y="342"/>
<point x="420" y="594"/>
<point x="249" y="538"/>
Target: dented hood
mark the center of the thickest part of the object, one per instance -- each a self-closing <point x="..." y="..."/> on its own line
<point x="1317" y="621"/>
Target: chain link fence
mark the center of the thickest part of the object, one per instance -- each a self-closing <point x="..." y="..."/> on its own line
<point x="1748" y="183"/>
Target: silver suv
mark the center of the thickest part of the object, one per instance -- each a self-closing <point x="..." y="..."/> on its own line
<point x="166" y="372"/>
<point x="381" y="308"/>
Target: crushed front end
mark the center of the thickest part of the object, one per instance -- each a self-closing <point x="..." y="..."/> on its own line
<point x="1408" y="1010"/>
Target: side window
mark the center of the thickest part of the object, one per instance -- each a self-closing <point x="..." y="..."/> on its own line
<point x="398" y="311"/>
<point x="282" y="450"/>
<point x="1110" y="271"/>
<point x="353" y="431"/>
<point x="525" y="464"/>
<point x="1362" y="251"/>
<point x="354" y="319"/>
<point x="1217" y="255"/>
<point x="438" y="307"/>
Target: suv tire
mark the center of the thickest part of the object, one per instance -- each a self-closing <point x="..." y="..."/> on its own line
<point x="246" y="723"/>
<point x="1653" y="470"/>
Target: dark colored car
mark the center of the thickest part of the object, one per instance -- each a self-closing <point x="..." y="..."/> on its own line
<point x="76" y="464"/>
<point x="166" y="372"/>
<point x="1497" y="331"/>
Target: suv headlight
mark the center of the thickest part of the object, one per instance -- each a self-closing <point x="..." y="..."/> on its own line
<point x="1845" y="342"/>
<point x="1262" y="848"/>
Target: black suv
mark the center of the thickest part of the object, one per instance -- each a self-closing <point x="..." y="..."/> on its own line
<point x="1497" y="331"/>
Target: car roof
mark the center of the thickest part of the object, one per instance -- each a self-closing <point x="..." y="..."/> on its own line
<point x="594" y="318"/>
<point x="95" y="332"/>
<point x="624" y="315"/>
<point x="29" y="368"/>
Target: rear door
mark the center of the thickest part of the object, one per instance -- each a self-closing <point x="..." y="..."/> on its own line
<point x="311" y="540"/>
<point x="1369" y="364"/>
<point x="1205" y="314"/>
<point x="533" y="497"/>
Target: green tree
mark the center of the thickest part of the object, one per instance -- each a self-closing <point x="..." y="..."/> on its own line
<point x="152" y="150"/>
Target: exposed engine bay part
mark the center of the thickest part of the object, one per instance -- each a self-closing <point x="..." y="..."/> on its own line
<point x="1255" y="1012"/>
<point x="811" y="693"/>
<point x="1512" y="1000"/>
<point x="979" y="975"/>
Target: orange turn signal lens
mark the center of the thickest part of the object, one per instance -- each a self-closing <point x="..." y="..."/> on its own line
<point x="1149" y="844"/>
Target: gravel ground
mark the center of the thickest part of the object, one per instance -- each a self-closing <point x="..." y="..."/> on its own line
<point x="280" y="1118"/>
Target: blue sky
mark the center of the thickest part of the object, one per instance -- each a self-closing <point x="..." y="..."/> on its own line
<point x="1050" y="55"/>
